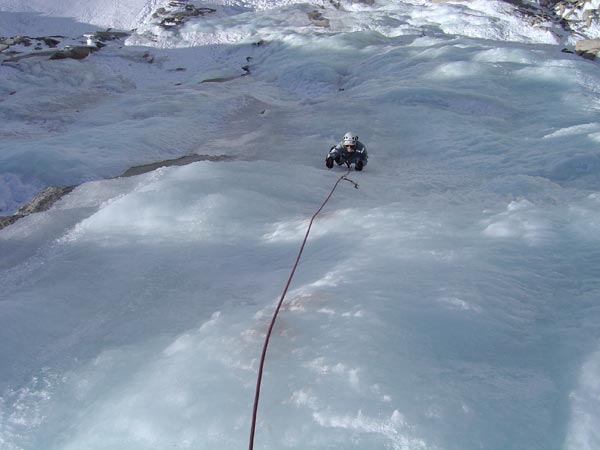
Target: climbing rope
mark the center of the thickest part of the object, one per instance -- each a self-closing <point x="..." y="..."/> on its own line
<point x="287" y="285"/>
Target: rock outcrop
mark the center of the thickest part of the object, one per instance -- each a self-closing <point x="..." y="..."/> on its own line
<point x="45" y="199"/>
<point x="177" y="12"/>
<point x="17" y="48"/>
<point x="578" y="16"/>
<point x="41" y="202"/>
<point x="588" y="48"/>
<point x="579" y="19"/>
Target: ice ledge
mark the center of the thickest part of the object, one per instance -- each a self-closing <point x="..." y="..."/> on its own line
<point x="45" y="199"/>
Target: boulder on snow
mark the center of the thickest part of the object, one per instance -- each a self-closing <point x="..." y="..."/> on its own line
<point x="588" y="48"/>
<point x="317" y="19"/>
<point x="75" y="52"/>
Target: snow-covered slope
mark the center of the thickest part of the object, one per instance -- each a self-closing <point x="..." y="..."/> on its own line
<point x="106" y="13"/>
<point x="450" y="302"/>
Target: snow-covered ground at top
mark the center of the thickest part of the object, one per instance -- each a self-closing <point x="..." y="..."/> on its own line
<point x="106" y="13"/>
<point x="450" y="302"/>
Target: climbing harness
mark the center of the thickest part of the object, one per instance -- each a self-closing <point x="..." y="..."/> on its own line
<point x="287" y="285"/>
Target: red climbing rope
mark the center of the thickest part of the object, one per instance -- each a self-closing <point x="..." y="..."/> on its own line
<point x="287" y="285"/>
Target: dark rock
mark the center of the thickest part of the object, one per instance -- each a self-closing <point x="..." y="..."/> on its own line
<point x="588" y="48"/>
<point x="76" y="52"/>
<point x="58" y="55"/>
<point x="159" y="12"/>
<point x="589" y="56"/>
<point x="70" y="51"/>
<point x="148" y="57"/>
<point x="8" y="220"/>
<point x="25" y="40"/>
<point x="221" y="79"/>
<point x="524" y="5"/>
<point x="52" y="43"/>
<point x="184" y="160"/>
<point x="110" y="35"/>
<point x="170" y="22"/>
<point x="44" y="200"/>
<point x="179" y="13"/>
<point x="41" y="202"/>
<point x="317" y="19"/>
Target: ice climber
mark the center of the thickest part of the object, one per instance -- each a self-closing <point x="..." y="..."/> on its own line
<point x="349" y="151"/>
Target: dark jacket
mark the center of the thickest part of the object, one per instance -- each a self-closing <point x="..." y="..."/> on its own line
<point x="341" y="155"/>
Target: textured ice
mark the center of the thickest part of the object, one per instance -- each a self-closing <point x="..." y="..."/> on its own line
<point x="448" y="303"/>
